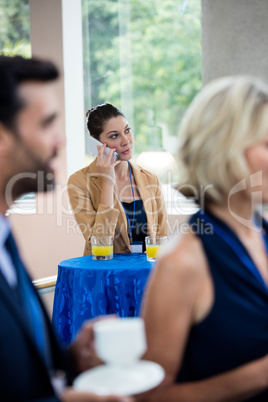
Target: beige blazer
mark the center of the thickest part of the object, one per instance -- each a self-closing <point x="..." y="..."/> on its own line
<point x="95" y="219"/>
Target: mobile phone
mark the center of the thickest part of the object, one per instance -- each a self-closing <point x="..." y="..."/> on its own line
<point x="93" y="143"/>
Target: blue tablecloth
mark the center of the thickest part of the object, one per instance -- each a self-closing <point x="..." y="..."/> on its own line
<point x="86" y="289"/>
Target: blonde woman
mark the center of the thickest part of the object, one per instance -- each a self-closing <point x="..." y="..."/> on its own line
<point x="206" y="307"/>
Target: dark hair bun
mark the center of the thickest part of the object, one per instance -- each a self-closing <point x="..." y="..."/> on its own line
<point x="97" y="117"/>
<point x="89" y="111"/>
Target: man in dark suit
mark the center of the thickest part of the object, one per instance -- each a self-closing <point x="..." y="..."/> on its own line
<point x="33" y="365"/>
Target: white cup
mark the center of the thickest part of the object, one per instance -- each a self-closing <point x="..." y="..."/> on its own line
<point x="120" y="341"/>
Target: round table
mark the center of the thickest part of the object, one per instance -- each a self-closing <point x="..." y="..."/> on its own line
<point x="87" y="288"/>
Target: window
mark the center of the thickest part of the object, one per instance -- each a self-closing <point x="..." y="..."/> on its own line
<point x="15" y="28"/>
<point x="145" y="58"/>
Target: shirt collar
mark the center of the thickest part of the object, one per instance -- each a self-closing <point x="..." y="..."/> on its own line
<point x="4" y="229"/>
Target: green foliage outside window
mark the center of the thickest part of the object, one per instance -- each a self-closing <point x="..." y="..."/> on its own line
<point x="163" y="73"/>
<point x="15" y="28"/>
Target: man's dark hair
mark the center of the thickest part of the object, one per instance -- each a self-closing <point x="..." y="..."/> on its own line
<point x="14" y="71"/>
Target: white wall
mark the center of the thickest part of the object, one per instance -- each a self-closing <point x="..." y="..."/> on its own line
<point x="234" y="38"/>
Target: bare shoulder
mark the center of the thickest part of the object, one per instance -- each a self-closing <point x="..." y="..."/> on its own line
<point x="183" y="279"/>
<point x="185" y="257"/>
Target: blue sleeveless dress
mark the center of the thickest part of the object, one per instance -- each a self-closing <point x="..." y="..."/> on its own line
<point x="235" y="331"/>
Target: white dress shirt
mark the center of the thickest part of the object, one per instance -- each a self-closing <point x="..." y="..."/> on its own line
<point x="6" y="264"/>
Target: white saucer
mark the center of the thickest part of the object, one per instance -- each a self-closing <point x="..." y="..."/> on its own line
<point x="121" y="380"/>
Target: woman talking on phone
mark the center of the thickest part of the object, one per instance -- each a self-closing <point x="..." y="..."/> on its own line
<point x="113" y="196"/>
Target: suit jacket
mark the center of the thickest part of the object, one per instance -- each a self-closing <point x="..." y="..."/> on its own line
<point x="23" y="374"/>
<point x="95" y="219"/>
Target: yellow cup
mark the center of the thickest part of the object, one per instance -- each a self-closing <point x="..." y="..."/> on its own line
<point x="154" y="245"/>
<point x="102" y="247"/>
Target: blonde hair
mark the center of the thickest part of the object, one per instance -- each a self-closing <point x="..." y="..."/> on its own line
<point x="226" y="117"/>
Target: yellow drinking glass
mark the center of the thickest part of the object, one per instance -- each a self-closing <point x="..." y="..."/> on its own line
<point x="154" y="245"/>
<point x="102" y="247"/>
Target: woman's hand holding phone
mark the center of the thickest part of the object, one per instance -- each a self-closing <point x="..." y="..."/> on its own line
<point x="106" y="164"/>
<point x="93" y="147"/>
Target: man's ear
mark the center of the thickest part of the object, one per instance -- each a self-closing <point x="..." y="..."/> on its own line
<point x="6" y="139"/>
